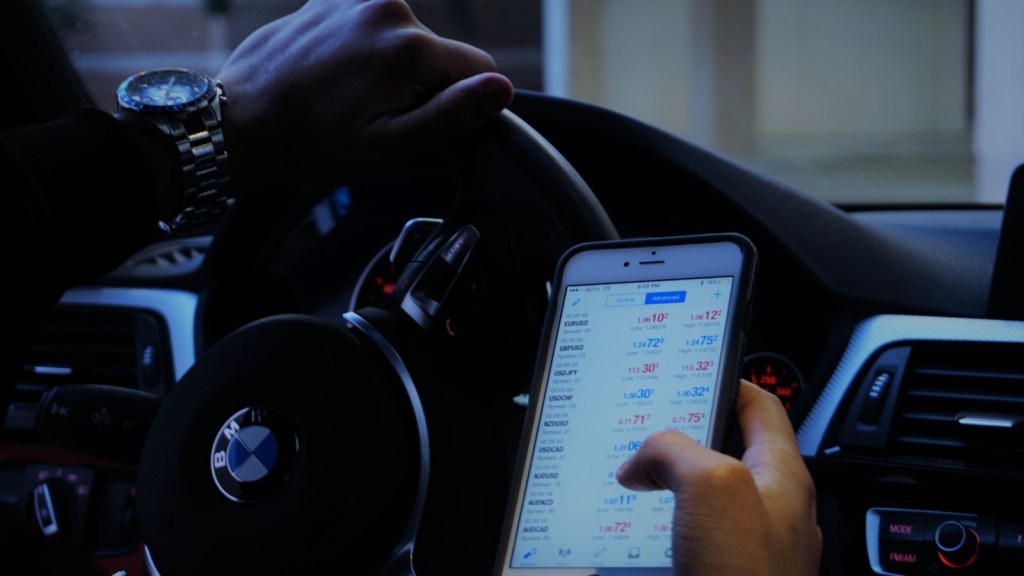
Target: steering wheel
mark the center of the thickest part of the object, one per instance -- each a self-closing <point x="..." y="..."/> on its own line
<point x="297" y="445"/>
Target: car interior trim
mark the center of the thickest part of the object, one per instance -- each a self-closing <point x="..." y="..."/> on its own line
<point x="874" y="333"/>
<point x="150" y="566"/>
<point x="177" y="307"/>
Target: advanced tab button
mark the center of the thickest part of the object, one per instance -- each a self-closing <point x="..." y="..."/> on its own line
<point x="675" y="297"/>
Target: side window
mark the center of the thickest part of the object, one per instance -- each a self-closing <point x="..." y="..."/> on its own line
<point x="108" y="40"/>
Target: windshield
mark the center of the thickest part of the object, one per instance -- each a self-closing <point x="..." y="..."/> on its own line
<point x="859" y="103"/>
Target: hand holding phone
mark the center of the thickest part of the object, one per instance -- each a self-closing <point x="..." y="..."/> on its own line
<point x="723" y="502"/>
<point x="642" y="335"/>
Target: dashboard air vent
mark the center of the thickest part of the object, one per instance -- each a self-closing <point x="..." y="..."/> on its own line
<point x="93" y="345"/>
<point x="169" y="259"/>
<point x="962" y="404"/>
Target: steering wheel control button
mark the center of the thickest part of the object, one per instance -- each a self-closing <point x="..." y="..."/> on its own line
<point x="412" y="238"/>
<point x="458" y="248"/>
<point x="253" y="454"/>
<point x="905" y="527"/>
<point x="430" y="288"/>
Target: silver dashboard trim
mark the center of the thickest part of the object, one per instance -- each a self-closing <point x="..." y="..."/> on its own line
<point x="876" y="332"/>
<point x="177" y="307"/>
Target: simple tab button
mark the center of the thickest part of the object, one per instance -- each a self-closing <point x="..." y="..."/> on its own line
<point x="903" y="558"/>
<point x="901" y="527"/>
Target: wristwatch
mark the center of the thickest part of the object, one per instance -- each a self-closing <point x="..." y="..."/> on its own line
<point x="186" y="106"/>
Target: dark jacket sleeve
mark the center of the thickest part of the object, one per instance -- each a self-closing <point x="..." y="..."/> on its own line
<point x="88" y="191"/>
<point x="80" y="198"/>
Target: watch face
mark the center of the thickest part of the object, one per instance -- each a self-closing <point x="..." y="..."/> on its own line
<point x="166" y="90"/>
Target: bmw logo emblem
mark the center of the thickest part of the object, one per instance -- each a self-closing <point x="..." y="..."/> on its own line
<point x="253" y="454"/>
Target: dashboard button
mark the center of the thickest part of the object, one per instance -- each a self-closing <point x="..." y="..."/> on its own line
<point x="950" y="535"/>
<point x="1011" y="545"/>
<point x="903" y="557"/>
<point x="906" y="527"/>
<point x="959" y="543"/>
<point x="1011" y="537"/>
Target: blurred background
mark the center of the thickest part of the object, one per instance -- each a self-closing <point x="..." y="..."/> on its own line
<point x="858" y="102"/>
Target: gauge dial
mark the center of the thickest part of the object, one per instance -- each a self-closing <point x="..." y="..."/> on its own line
<point x="775" y="374"/>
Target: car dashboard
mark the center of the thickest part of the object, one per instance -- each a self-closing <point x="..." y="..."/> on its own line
<point x="906" y="395"/>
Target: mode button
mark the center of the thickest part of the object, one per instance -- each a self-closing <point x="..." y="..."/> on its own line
<point x="901" y="527"/>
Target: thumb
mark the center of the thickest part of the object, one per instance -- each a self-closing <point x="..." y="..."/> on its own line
<point x="456" y="110"/>
<point x="653" y="465"/>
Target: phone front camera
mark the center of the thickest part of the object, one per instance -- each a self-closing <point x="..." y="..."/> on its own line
<point x="625" y="264"/>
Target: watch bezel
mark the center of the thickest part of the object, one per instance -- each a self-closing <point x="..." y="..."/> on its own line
<point x="127" y="101"/>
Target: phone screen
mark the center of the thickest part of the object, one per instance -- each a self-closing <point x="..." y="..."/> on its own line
<point x="629" y="359"/>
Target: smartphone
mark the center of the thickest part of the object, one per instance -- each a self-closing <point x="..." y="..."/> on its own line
<point x="642" y="335"/>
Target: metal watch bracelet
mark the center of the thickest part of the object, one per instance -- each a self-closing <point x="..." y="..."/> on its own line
<point x="204" y="164"/>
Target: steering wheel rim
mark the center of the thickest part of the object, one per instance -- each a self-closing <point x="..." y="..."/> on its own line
<point x="512" y="170"/>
